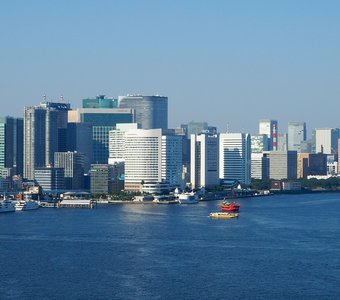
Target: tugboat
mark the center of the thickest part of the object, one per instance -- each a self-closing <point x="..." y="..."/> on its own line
<point x="230" y="206"/>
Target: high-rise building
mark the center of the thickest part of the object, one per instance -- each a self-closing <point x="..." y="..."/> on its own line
<point x="11" y="144"/>
<point x="102" y="120"/>
<point x="73" y="165"/>
<point x="117" y="142"/>
<point x="172" y="162"/>
<point x="204" y="169"/>
<point x="269" y="127"/>
<point x="198" y="128"/>
<point x="100" y="102"/>
<point x="282" y="164"/>
<point x="150" y="111"/>
<point x="306" y="146"/>
<point x="326" y="140"/>
<point x="79" y="138"/>
<point x="260" y="165"/>
<point x="50" y="179"/>
<point x="43" y="125"/>
<point x="259" y="143"/>
<point x="235" y="155"/>
<point x="143" y="153"/>
<point x="297" y="133"/>
<point x="282" y="142"/>
<point x="182" y="131"/>
<point x="149" y="155"/>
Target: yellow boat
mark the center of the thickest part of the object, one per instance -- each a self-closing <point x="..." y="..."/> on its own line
<point x="223" y="215"/>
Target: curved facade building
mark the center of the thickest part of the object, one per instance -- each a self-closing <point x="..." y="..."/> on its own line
<point x="151" y="112"/>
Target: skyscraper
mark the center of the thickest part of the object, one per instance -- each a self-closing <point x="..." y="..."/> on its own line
<point x="73" y="165"/>
<point x="150" y="111"/>
<point x="282" y="164"/>
<point x="102" y="120"/>
<point x="282" y="142"/>
<point x="143" y="153"/>
<point x="50" y="179"/>
<point x="326" y="140"/>
<point x="296" y="134"/>
<point x="204" y="159"/>
<point x="235" y="151"/>
<point x="260" y="165"/>
<point x="100" y="102"/>
<point x="79" y="138"/>
<point x="172" y="162"/>
<point x="259" y="143"/>
<point x="198" y="128"/>
<point x="11" y="144"/>
<point x="149" y="155"/>
<point x="269" y="127"/>
<point x="42" y="134"/>
<point x="117" y="142"/>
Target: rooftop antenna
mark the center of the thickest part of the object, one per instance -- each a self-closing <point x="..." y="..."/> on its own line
<point x="62" y="99"/>
<point x="44" y="97"/>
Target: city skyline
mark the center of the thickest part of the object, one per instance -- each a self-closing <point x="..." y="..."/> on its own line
<point x="283" y="128"/>
<point x="244" y="61"/>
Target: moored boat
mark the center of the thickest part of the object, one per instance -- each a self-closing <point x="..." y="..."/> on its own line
<point x="7" y="205"/>
<point x="26" y="205"/>
<point x="223" y="215"/>
<point x="188" y="198"/>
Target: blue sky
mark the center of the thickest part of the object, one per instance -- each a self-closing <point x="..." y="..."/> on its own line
<point x="225" y="62"/>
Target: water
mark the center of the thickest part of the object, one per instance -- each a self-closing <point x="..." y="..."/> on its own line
<point x="281" y="247"/>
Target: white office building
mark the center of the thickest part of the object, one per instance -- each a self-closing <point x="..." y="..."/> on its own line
<point x="235" y="163"/>
<point x="117" y="142"/>
<point x="204" y="160"/>
<point x="143" y="152"/>
<point x="269" y="127"/>
<point x="326" y="140"/>
<point x="151" y="157"/>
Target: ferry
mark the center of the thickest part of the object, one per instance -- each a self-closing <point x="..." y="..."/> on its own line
<point x="230" y="206"/>
<point x="223" y="215"/>
<point x="7" y="205"/>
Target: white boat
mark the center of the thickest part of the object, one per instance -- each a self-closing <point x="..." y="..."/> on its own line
<point x="7" y="205"/>
<point x="188" y="198"/>
<point x="165" y="200"/>
<point x="27" y="204"/>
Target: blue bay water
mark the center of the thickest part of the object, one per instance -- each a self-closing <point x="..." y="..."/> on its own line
<point x="281" y="247"/>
